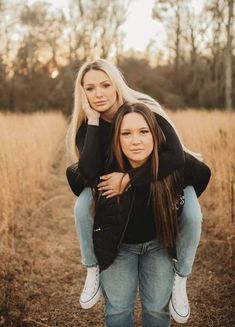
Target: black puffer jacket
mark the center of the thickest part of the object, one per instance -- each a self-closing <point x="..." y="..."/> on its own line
<point x="110" y="221"/>
<point x="112" y="214"/>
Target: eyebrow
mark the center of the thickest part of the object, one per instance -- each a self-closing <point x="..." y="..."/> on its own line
<point x="105" y="81"/>
<point x="127" y="129"/>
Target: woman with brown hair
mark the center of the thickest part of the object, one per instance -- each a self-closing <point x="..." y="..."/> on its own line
<point x="135" y="233"/>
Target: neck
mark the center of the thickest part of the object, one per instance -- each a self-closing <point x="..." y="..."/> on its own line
<point x="108" y="114"/>
<point x="137" y="164"/>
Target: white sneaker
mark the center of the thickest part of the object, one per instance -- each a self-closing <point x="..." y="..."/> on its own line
<point x="179" y="305"/>
<point x="91" y="291"/>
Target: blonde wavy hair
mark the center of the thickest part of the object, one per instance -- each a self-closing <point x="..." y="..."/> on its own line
<point x="124" y="93"/>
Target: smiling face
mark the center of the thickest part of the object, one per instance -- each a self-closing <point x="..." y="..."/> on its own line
<point x="135" y="138"/>
<point x="100" y="92"/>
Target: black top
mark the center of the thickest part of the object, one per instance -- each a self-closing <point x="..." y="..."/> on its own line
<point x="93" y="143"/>
<point x="141" y="226"/>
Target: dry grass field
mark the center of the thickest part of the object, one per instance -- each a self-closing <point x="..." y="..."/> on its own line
<point x="213" y="135"/>
<point x="40" y="272"/>
<point x="28" y="147"/>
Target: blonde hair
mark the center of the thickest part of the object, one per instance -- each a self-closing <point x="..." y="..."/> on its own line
<point x="124" y="93"/>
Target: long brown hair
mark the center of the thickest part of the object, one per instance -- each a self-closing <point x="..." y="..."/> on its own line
<point x="163" y="193"/>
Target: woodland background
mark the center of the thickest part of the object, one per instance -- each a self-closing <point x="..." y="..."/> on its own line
<point x="42" y="48"/>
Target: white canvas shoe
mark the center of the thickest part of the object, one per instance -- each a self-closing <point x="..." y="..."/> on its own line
<point x="91" y="291"/>
<point x="179" y="305"/>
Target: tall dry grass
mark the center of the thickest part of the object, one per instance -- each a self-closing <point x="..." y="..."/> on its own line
<point x="212" y="133"/>
<point x="28" y="146"/>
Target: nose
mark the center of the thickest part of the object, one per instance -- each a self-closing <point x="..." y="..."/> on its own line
<point x="98" y="92"/>
<point x="135" y="139"/>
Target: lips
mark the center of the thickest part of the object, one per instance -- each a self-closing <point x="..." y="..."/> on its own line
<point x="136" y="150"/>
<point x="100" y="103"/>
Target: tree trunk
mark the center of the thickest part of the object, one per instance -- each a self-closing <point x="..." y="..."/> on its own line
<point x="177" y="40"/>
<point x="228" y="59"/>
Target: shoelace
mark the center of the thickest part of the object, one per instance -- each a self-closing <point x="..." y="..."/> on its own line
<point x="89" y="283"/>
<point x="182" y="290"/>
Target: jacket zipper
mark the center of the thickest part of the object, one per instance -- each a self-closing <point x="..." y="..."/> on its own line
<point x="99" y="229"/>
<point x="127" y="221"/>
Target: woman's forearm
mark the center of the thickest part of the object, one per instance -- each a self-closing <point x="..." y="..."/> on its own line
<point x="90" y="161"/>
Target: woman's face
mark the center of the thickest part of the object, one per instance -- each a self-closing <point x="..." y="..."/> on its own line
<point x="101" y="93"/>
<point x="136" y="140"/>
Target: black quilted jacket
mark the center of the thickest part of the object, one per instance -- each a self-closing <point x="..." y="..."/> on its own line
<point x="112" y="214"/>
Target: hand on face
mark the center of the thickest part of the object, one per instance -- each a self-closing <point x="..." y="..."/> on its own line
<point x="101" y="93"/>
<point x="92" y="115"/>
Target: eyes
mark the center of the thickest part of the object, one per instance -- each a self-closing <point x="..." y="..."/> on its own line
<point x="141" y="132"/>
<point x="91" y="88"/>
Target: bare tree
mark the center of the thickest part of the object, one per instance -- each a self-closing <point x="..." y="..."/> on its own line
<point x="228" y="58"/>
<point x="170" y="13"/>
<point x="94" y="28"/>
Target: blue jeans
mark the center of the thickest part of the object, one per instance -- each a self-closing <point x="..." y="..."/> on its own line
<point x="147" y="266"/>
<point x="190" y="230"/>
<point x="84" y="227"/>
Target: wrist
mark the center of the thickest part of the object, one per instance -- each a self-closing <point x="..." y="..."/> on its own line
<point x="126" y="178"/>
<point x="126" y="181"/>
<point x="93" y="121"/>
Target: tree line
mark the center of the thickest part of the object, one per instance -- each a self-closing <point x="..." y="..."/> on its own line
<point x="42" y="48"/>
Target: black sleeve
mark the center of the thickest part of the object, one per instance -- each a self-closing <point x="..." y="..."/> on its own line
<point x="90" y="162"/>
<point x="196" y="173"/>
<point x="171" y="157"/>
<point x="80" y="137"/>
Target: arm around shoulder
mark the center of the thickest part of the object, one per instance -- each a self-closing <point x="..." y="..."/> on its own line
<point x="171" y="157"/>
<point x="196" y="173"/>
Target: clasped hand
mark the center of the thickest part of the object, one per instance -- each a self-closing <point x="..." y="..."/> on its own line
<point x="113" y="184"/>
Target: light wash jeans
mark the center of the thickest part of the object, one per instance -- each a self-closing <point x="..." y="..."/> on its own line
<point x="190" y="230"/>
<point x="146" y="266"/>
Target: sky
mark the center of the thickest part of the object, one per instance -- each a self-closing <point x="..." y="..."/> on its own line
<point x="138" y="15"/>
<point x="139" y="27"/>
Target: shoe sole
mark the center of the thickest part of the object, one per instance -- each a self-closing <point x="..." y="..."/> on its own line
<point x="178" y="318"/>
<point x="89" y="304"/>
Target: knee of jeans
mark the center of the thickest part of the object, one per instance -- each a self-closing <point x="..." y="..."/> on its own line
<point x="116" y="304"/>
<point x="156" y="307"/>
<point x="83" y="203"/>
<point x="114" y="310"/>
<point x="118" y="318"/>
<point x="191" y="218"/>
<point x="83" y="212"/>
<point x="154" y="318"/>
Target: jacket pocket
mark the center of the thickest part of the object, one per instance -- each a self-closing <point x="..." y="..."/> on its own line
<point x="105" y="240"/>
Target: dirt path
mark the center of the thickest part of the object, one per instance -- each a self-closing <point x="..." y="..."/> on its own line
<point x="43" y="279"/>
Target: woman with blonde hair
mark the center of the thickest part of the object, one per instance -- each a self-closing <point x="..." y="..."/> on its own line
<point x="99" y="92"/>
